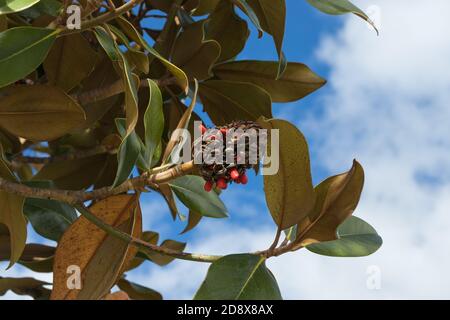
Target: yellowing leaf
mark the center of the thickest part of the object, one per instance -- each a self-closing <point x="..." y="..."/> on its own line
<point x="289" y="192"/>
<point x="67" y="52"/>
<point x="337" y="198"/>
<point x="101" y="257"/>
<point x="11" y="216"/>
<point x="296" y="82"/>
<point x="39" y="112"/>
<point x="227" y="101"/>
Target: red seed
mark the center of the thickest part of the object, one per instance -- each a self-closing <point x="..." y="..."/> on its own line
<point x="234" y="174"/>
<point x="202" y="128"/>
<point x="243" y="179"/>
<point x="224" y="131"/>
<point x="208" y="186"/>
<point x="222" y="183"/>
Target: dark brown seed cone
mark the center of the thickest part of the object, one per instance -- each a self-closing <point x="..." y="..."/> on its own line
<point x="209" y="146"/>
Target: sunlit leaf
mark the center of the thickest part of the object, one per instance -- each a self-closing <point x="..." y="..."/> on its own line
<point x="289" y="192"/>
<point x="23" y="50"/>
<point x="10" y="6"/>
<point x="296" y="82"/>
<point x="101" y="257"/>
<point x="227" y="101"/>
<point x="337" y="7"/>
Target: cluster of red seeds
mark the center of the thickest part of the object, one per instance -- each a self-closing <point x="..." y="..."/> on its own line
<point x="220" y="176"/>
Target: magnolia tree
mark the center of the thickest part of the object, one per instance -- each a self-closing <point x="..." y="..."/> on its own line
<point x="97" y="109"/>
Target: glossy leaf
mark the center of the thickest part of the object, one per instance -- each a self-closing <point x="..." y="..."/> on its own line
<point x="138" y="292"/>
<point x="67" y="52"/>
<point x="11" y="216"/>
<point x="296" y="82"/>
<point x="153" y="122"/>
<point x="193" y="54"/>
<point x="336" y="199"/>
<point x="239" y="277"/>
<point x="102" y="258"/>
<point x="230" y="31"/>
<point x="356" y="238"/>
<point x="272" y="16"/>
<point x="226" y="101"/>
<point x="289" y="193"/>
<point x="23" y="50"/>
<point x="128" y="153"/>
<point x="39" y="112"/>
<point x="11" y="6"/>
<point x="190" y="191"/>
<point x="337" y="7"/>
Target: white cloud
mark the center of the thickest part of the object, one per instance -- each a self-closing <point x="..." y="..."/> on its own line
<point x="388" y="107"/>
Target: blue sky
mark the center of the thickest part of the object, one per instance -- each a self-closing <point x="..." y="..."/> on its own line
<point x="386" y="104"/>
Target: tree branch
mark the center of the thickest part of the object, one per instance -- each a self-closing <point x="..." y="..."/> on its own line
<point x="143" y="246"/>
<point x="76" y="197"/>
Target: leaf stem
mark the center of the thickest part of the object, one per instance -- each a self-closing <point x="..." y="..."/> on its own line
<point x="143" y="246"/>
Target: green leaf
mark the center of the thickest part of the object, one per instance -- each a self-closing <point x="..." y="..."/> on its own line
<point x="296" y="82"/>
<point x="128" y="153"/>
<point x="67" y="52"/>
<point x="190" y="191"/>
<point x="230" y="31"/>
<point x="357" y="238"/>
<point x="272" y="16"/>
<point x="248" y="10"/>
<point x="107" y="43"/>
<point x="153" y="122"/>
<point x="289" y="193"/>
<point x="239" y="277"/>
<point x="23" y="50"/>
<point x="39" y="112"/>
<point x="338" y="7"/>
<point x="10" y="6"/>
<point x="193" y="54"/>
<point x="49" y="218"/>
<point x="138" y="292"/>
<point x="226" y="101"/>
<point x="11" y="216"/>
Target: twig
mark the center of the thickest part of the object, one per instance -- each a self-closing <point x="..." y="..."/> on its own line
<point x="143" y="246"/>
<point x="76" y="197"/>
<point x="108" y="16"/>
